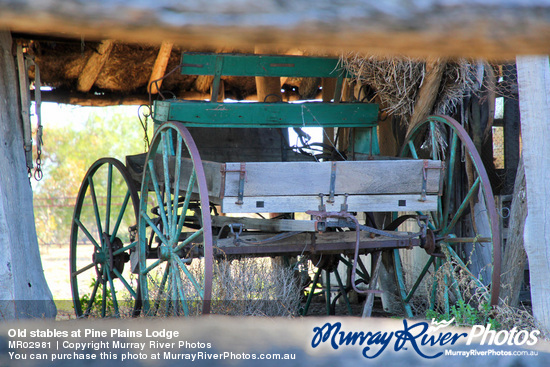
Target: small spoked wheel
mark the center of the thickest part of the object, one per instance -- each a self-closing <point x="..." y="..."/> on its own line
<point x="464" y="230"/>
<point x="175" y="234"/>
<point x="103" y="240"/>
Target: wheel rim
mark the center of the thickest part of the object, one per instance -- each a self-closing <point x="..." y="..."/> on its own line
<point x="98" y="286"/>
<point x="175" y="227"/>
<point x="455" y="207"/>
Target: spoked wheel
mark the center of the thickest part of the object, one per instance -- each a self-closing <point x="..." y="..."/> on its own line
<point x="175" y="234"/>
<point x="464" y="230"/>
<point x="102" y="240"/>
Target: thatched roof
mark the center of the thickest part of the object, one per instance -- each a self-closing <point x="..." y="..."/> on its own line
<point x="125" y="75"/>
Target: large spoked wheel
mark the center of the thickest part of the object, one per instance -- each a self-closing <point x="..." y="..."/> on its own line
<point x="102" y="241"/>
<point x="464" y="230"/>
<point x="175" y="234"/>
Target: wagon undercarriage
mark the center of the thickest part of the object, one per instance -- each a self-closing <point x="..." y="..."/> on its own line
<point x="178" y="218"/>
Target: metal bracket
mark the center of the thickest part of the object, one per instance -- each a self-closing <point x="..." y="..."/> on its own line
<point x="322" y="206"/>
<point x="344" y="206"/>
<point x="424" y="180"/>
<point x="332" y="188"/>
<point x="425" y="168"/>
<point x="242" y="178"/>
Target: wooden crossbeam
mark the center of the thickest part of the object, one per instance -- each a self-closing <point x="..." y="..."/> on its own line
<point x="94" y="65"/>
<point x="159" y="68"/>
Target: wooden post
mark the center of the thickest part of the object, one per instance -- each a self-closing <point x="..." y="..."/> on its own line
<point x="23" y="290"/>
<point x="94" y="65"/>
<point x="159" y="68"/>
<point x="269" y="87"/>
<point x="515" y="258"/>
<point x="329" y="86"/>
<point x="534" y="103"/>
<point x="427" y="94"/>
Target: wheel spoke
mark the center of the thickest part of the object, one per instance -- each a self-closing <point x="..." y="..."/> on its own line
<point x="419" y="279"/>
<point x="167" y="183"/>
<point x="196" y="285"/>
<point x="412" y="149"/>
<point x="104" y="293"/>
<point x="96" y="209"/>
<point x="125" y="248"/>
<point x="177" y="187"/>
<point x="161" y="287"/>
<point x="435" y="153"/>
<point x="189" y="239"/>
<point x="154" y="227"/>
<point x="109" y="192"/>
<point x="151" y="267"/>
<point x="449" y="183"/>
<point x="87" y="233"/>
<point x="92" y="297"/>
<point x="157" y="192"/>
<point x="120" y="215"/>
<point x="179" y="284"/>
<point x="401" y="282"/>
<point x="171" y="294"/>
<point x="185" y="204"/>
<point x="462" y="207"/>
<point x="113" y="292"/>
<point x="78" y="272"/>
<point x="125" y="283"/>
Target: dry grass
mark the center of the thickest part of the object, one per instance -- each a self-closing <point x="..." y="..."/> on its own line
<point x="245" y="287"/>
<point x="396" y="81"/>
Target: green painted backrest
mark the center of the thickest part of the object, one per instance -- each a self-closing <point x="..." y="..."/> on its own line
<point x="262" y="65"/>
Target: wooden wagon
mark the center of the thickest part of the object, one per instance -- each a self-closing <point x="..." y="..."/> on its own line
<point x="177" y="217"/>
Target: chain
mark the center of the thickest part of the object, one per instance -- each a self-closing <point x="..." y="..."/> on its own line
<point x="144" y="123"/>
<point x="38" y="174"/>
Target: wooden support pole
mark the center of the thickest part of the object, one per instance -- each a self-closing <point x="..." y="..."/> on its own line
<point x="267" y="86"/>
<point x="329" y="86"/>
<point x="515" y="258"/>
<point x="94" y="65"/>
<point x="159" y="68"/>
<point x="427" y="94"/>
<point x="534" y="104"/>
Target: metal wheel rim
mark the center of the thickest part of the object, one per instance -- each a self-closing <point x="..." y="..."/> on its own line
<point x="78" y="227"/>
<point x="171" y="226"/>
<point x="484" y="184"/>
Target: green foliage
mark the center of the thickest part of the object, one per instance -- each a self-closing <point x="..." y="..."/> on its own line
<point x="68" y="151"/>
<point x="466" y="315"/>
<point x="97" y="302"/>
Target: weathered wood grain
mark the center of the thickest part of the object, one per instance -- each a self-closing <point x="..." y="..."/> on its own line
<point x="491" y="29"/>
<point x="356" y="203"/>
<point x="352" y="177"/>
<point x="94" y="65"/>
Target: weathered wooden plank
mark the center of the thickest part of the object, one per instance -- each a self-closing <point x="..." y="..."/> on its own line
<point x="356" y="203"/>
<point x="94" y="65"/>
<point x="352" y="177"/>
<point x="534" y="103"/>
<point x="261" y="65"/>
<point x="414" y="27"/>
<point x="304" y="243"/>
<point x="267" y="225"/>
<point x="427" y="93"/>
<point x="159" y="68"/>
<point x="271" y="115"/>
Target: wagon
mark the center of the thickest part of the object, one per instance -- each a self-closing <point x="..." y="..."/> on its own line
<point x="186" y="203"/>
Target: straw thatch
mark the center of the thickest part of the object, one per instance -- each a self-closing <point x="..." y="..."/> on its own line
<point x="396" y="81"/>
